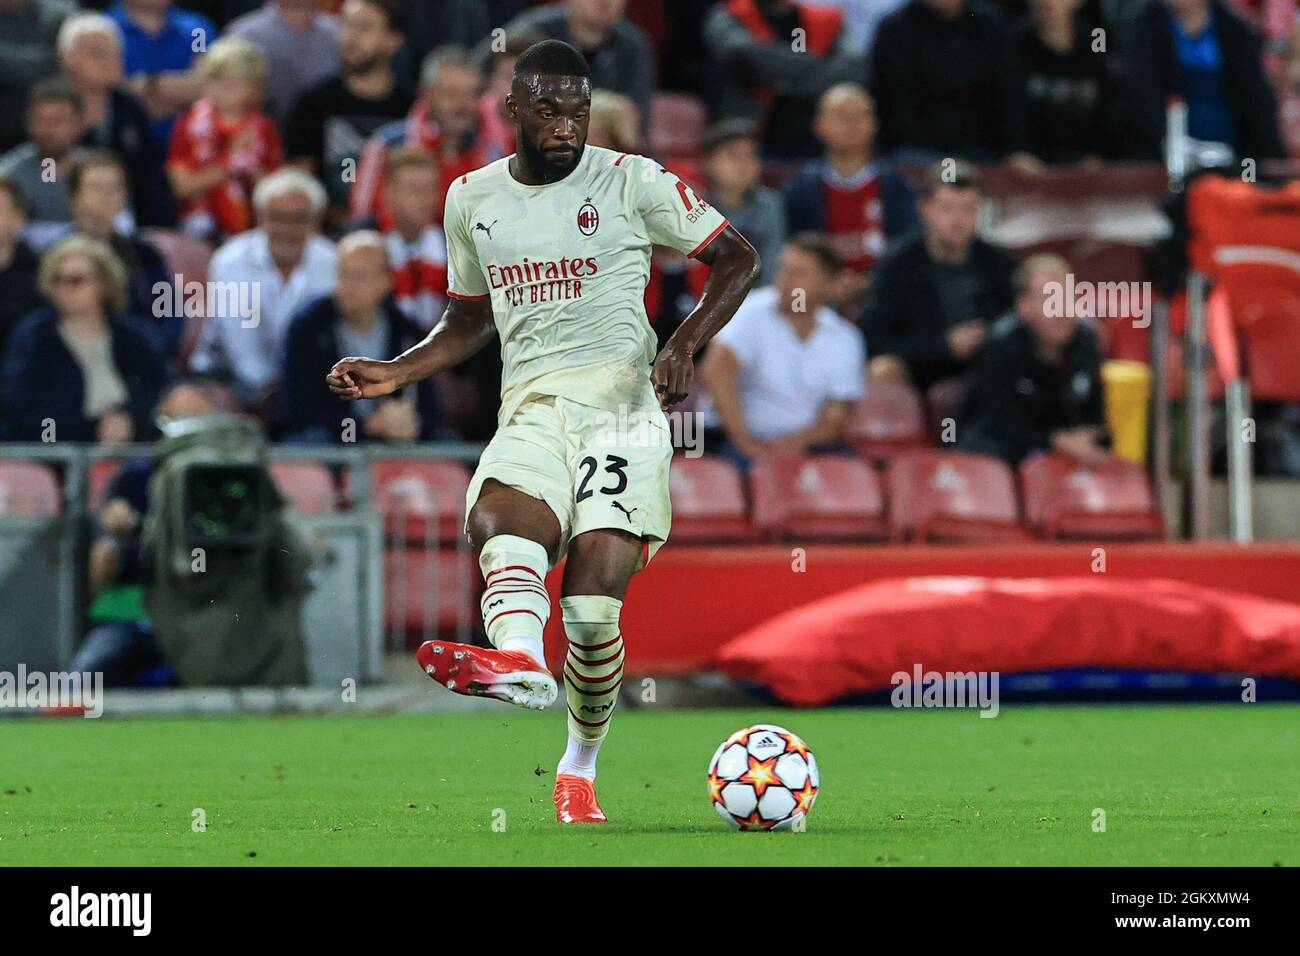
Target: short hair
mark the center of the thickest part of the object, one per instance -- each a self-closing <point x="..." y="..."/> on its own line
<point x="10" y="189"/>
<point x="236" y="54"/>
<point x="1037" y="262"/>
<point x="438" y="59"/>
<point x="363" y="239"/>
<point x="55" y="89"/>
<point x="79" y="24"/>
<point x="288" y="179"/>
<point x="956" y="173"/>
<point x="93" y="159"/>
<point x="725" y="132"/>
<point x="110" y="271"/>
<point x="552" y="58"/>
<point x="819" y="247"/>
<point x="408" y="157"/>
<point x="392" y="11"/>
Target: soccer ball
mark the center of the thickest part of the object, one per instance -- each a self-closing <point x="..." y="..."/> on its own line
<point x="763" y="778"/>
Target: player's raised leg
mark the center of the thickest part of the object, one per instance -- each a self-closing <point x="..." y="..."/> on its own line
<point x="515" y="535"/>
<point x="601" y="563"/>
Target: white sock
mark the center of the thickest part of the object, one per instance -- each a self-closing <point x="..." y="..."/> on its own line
<point x="580" y="758"/>
<point x="532" y="646"/>
<point x="515" y="603"/>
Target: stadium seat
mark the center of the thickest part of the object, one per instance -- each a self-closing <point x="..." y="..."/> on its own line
<point x="421" y="501"/>
<point x="101" y="475"/>
<point x="886" y="420"/>
<point x="676" y="125"/>
<point x="1064" y="500"/>
<point x="429" y="594"/>
<point x="307" y="486"/>
<point x="1272" y="335"/>
<point x="827" y="496"/>
<point x="28" y="489"/>
<point x="952" y="496"/>
<point x="708" y="501"/>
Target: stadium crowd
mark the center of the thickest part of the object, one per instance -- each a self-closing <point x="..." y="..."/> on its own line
<point x="299" y="150"/>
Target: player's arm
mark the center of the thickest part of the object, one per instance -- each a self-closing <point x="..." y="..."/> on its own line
<point x="465" y="328"/>
<point x="733" y="270"/>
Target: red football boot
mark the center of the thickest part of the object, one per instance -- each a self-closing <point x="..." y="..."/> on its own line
<point x="575" y="800"/>
<point x="511" y="676"/>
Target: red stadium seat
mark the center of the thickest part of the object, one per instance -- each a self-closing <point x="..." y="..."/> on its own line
<point x="952" y="496"/>
<point x="676" y="125"/>
<point x="708" y="501"/>
<point x="429" y="593"/>
<point x="886" y="420"/>
<point x="827" y="497"/>
<point x="307" y="486"/>
<point x="28" y="489"/>
<point x="1272" y="337"/>
<point x="421" y="501"/>
<point x="102" y="473"/>
<point x="1064" y="500"/>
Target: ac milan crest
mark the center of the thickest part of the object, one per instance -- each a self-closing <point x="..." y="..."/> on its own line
<point x="588" y="219"/>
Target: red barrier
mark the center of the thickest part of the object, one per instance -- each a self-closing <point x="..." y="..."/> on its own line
<point x="692" y="600"/>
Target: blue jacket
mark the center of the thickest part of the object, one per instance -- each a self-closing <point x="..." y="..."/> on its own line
<point x="805" y="200"/>
<point x="306" y="404"/>
<point x="41" y="379"/>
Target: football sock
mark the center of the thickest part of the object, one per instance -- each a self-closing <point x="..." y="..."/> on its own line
<point x="593" y="671"/>
<point x="515" y="604"/>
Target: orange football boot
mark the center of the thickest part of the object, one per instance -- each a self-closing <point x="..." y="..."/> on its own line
<point x="575" y="800"/>
<point x="511" y="676"/>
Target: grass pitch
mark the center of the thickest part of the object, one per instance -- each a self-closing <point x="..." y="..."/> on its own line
<point x="1179" y="785"/>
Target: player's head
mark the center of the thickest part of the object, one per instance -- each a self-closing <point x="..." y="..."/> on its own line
<point x="550" y="103"/>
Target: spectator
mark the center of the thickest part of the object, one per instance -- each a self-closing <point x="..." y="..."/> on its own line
<point x="430" y="24"/>
<point x="862" y="19"/>
<point x="284" y="263"/>
<point x="1205" y="53"/>
<point x="97" y="197"/>
<point x="767" y="69"/>
<point x="735" y="172"/>
<point x="90" y="49"/>
<point x="443" y="121"/>
<point x="330" y="122"/>
<point x="496" y="127"/>
<point x="417" y="249"/>
<point x="18" y="263"/>
<point x="947" y="81"/>
<point x="783" y="374"/>
<point x="55" y="121"/>
<point x="934" y="293"/>
<point x="359" y="318"/>
<point x="848" y="194"/>
<point x="618" y="51"/>
<point x="615" y="123"/>
<point x="1036" y="385"/>
<point x="300" y="44"/>
<point x="27" y="32"/>
<point x="83" y="369"/>
<point x="223" y="145"/>
<point x="162" y="46"/>
<point x="122" y="645"/>
<point x="1070" y="94"/>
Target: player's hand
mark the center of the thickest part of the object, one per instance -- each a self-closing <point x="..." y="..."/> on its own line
<point x="352" y="378"/>
<point x="672" y="376"/>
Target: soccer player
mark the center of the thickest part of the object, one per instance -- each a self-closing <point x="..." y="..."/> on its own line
<point x="550" y="248"/>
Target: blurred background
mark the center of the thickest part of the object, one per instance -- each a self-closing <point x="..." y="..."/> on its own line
<point x="1029" y="312"/>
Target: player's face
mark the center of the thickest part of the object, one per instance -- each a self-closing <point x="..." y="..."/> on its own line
<point x="551" y="114"/>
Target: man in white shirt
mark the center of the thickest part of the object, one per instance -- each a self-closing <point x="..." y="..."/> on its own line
<point x="275" y="269"/>
<point x="783" y="375"/>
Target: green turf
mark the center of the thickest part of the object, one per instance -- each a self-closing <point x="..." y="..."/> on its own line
<point x="1209" y="784"/>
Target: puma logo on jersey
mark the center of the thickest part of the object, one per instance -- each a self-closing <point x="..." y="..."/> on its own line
<point x="487" y="229"/>
<point x="624" y="510"/>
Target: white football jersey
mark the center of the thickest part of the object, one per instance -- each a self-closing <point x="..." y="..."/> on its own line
<point x="566" y="264"/>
